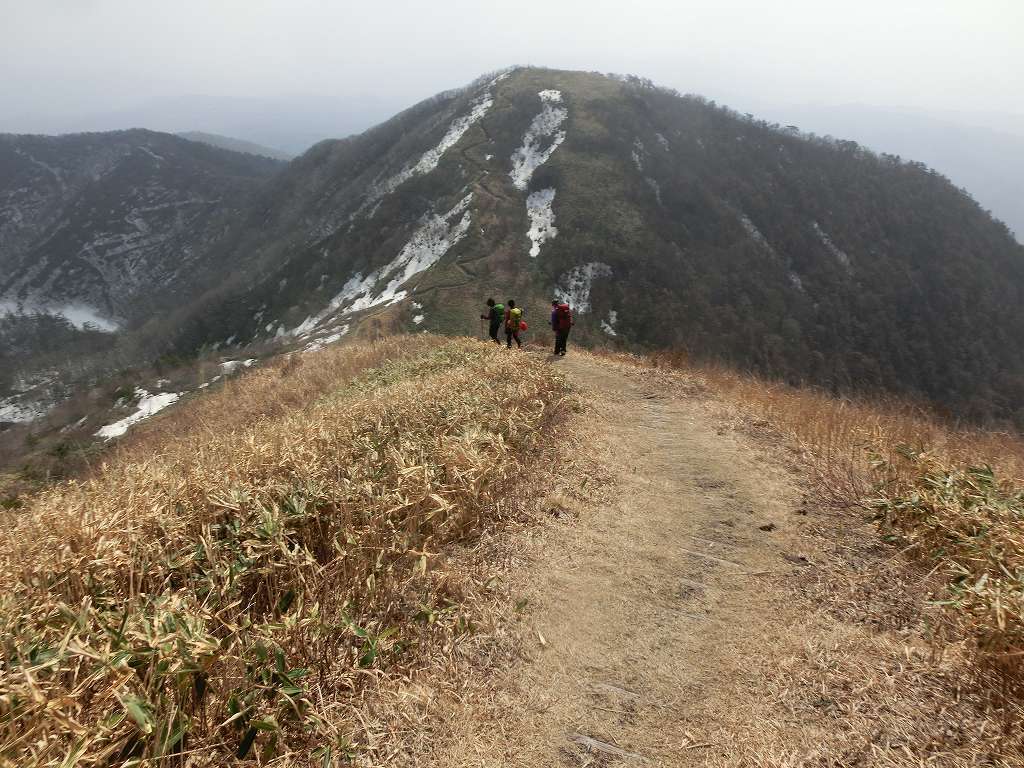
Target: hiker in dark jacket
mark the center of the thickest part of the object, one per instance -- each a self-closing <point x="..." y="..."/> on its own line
<point x="561" y="322"/>
<point x="496" y="318"/>
<point x="513" y="317"/>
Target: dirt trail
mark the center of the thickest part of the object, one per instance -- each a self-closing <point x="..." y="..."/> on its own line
<point x="652" y="607"/>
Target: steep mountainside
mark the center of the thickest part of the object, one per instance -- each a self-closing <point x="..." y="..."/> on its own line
<point x="114" y="226"/>
<point x="668" y="222"/>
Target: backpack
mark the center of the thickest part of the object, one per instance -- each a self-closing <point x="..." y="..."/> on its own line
<point x="563" y="317"/>
<point x="514" y="317"/>
<point x="497" y="312"/>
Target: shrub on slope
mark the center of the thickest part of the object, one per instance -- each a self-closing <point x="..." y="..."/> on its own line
<point x="221" y="597"/>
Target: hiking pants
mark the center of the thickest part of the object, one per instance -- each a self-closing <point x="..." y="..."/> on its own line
<point x="494" y="331"/>
<point x="560" y="338"/>
<point x="512" y="334"/>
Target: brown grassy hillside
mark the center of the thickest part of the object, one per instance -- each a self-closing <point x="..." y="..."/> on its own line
<point x="233" y="578"/>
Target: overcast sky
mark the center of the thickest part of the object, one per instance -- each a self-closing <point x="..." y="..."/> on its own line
<point x="74" y="58"/>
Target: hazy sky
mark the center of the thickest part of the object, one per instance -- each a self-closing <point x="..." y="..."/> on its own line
<point x="80" y="57"/>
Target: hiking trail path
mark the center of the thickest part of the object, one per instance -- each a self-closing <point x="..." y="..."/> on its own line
<point x="655" y="607"/>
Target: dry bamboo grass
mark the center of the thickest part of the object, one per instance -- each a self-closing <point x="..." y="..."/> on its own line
<point x="228" y="595"/>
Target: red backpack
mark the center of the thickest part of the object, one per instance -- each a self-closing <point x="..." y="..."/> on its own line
<point x="563" y="317"/>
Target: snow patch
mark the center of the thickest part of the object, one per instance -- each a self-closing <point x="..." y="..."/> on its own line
<point x="838" y="253"/>
<point x="638" y="155"/>
<point x="12" y="409"/>
<point x="79" y="315"/>
<point x="608" y="326"/>
<point x="418" y="319"/>
<point x="796" y="282"/>
<point x="230" y="366"/>
<point x="542" y="219"/>
<point x="755" y="234"/>
<point x="663" y="141"/>
<point x="335" y="334"/>
<point x="147" y="406"/>
<point x="529" y="157"/>
<point x="434" y="237"/>
<point x="151" y="153"/>
<point x="574" y="287"/>
<point x="430" y="159"/>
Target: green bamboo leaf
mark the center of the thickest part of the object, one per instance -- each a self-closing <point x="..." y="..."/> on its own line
<point x="139" y="711"/>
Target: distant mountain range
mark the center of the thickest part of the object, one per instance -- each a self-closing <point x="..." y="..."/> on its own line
<point x="237" y="145"/>
<point x="117" y="224"/>
<point x="290" y="124"/>
<point x="666" y="221"/>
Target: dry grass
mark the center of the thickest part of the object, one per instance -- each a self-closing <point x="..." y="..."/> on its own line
<point x="247" y="567"/>
<point x="950" y="498"/>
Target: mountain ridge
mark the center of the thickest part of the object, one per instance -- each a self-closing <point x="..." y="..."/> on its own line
<point x="667" y="220"/>
<point x="785" y="254"/>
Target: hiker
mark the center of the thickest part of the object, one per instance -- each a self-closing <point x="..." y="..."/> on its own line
<point x="513" y="320"/>
<point x="561" y="322"/>
<point x="495" y="316"/>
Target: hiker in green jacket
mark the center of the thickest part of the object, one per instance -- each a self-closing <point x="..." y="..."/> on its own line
<point x="495" y="315"/>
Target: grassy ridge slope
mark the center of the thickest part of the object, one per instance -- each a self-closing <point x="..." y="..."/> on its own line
<point x="230" y="592"/>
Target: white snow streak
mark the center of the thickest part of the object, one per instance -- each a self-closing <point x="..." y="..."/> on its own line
<point x="79" y="315"/>
<point x="11" y="409"/>
<point x="151" y="153"/>
<point x="529" y="157"/>
<point x="608" y="326"/>
<point x="574" y="287"/>
<point x="230" y="366"/>
<point x="334" y="335"/>
<point x="839" y="254"/>
<point x="638" y="155"/>
<point x="755" y="234"/>
<point x="418" y="319"/>
<point x="542" y="219"/>
<point x="429" y="243"/>
<point x="147" y="406"/>
<point x="431" y="157"/>
<point x="655" y="187"/>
